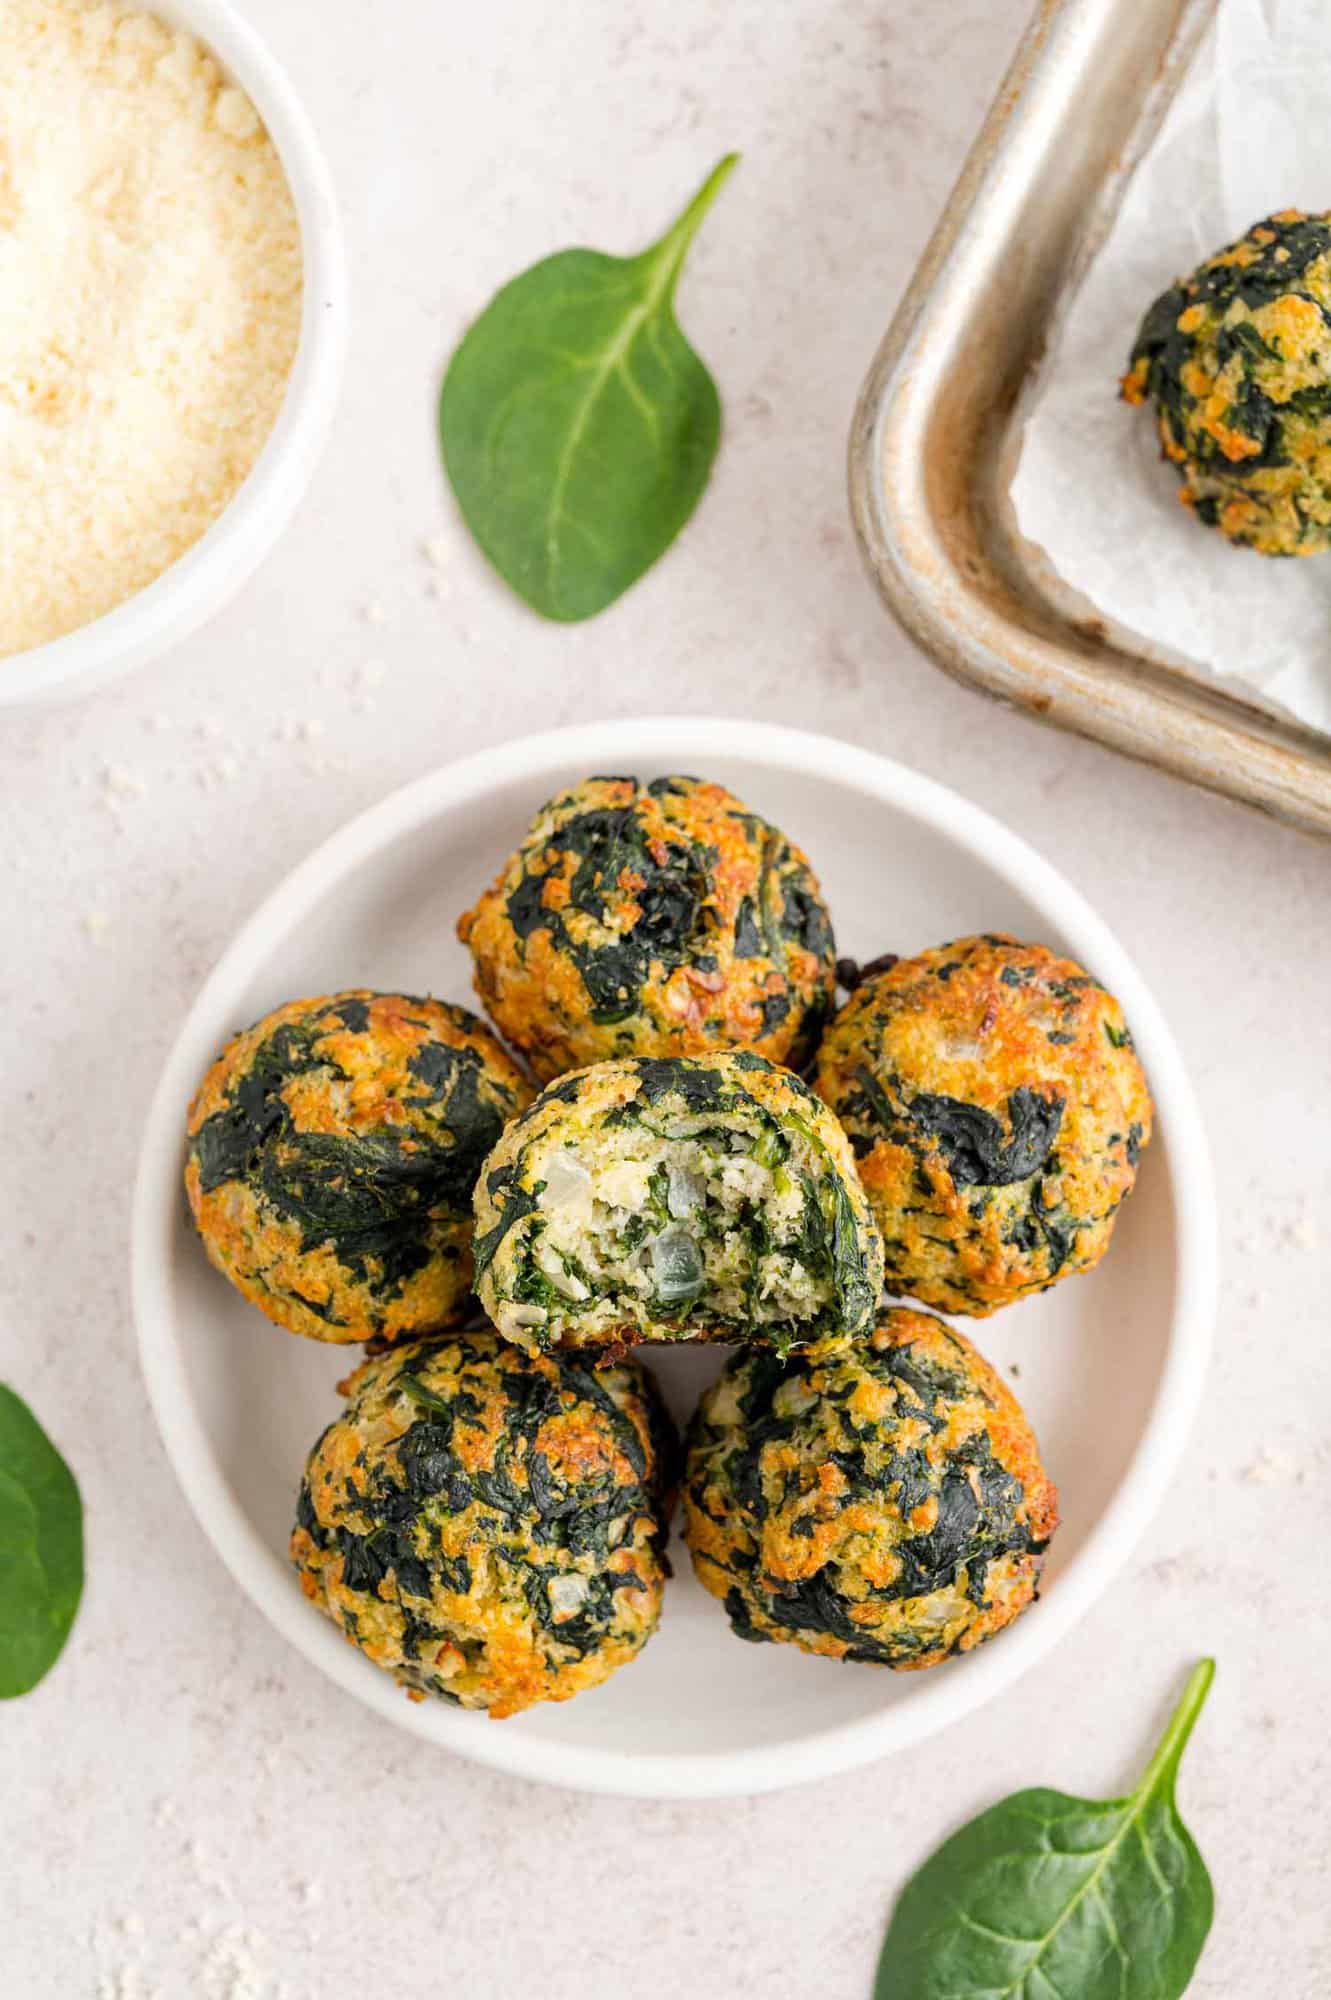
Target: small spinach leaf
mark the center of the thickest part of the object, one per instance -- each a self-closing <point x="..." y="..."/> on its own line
<point x="1046" y="1894"/>
<point x="485" y="1246"/>
<point x="972" y="1140"/>
<point x="41" y="1548"/>
<point x="578" y="425"/>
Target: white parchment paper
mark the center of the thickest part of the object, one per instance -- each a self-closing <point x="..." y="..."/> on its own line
<point x="1249" y="132"/>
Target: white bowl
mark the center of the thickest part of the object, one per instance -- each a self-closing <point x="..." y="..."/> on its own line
<point x="1111" y="1364"/>
<point x="192" y="589"/>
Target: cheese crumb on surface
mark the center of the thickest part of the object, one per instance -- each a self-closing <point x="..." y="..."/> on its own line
<point x="118" y="783"/>
<point x="218" y="770"/>
<point x="1273" y="1467"/>
<point x="150" y="301"/>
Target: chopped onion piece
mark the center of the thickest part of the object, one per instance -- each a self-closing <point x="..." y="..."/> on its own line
<point x="686" y="1191"/>
<point x="514" y="1320"/>
<point x="567" y="1182"/>
<point x="567" y="1595"/>
<point x="676" y="1267"/>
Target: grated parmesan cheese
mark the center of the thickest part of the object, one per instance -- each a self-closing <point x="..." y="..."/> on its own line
<point x="150" y="300"/>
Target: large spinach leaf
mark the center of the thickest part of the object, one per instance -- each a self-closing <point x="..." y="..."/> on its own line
<point x="41" y="1548"/>
<point x="578" y="425"/>
<point x="1046" y="1895"/>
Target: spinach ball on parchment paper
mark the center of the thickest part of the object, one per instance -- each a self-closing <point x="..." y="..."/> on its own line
<point x="333" y="1150"/>
<point x="652" y="920"/>
<point x="997" y="1110"/>
<point x="488" y="1526"/>
<point x="883" y="1503"/>
<point x="675" y="1199"/>
<point x="1237" y="360"/>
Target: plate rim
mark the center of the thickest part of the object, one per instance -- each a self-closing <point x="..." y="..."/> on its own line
<point x="266" y="1580"/>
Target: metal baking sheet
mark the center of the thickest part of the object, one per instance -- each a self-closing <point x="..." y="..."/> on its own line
<point x="933" y="442"/>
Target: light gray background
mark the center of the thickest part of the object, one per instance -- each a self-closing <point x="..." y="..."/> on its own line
<point x="186" y="1807"/>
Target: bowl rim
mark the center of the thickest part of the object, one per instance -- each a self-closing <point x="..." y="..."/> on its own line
<point x="190" y="590"/>
<point x="267" y="1580"/>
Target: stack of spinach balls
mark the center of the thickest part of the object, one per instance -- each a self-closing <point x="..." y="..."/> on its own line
<point x="486" y="1519"/>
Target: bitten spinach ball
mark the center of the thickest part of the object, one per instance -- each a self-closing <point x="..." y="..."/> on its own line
<point x="1237" y="359"/>
<point x="653" y="920"/>
<point x="883" y="1503"/>
<point x="333" y="1150"/>
<point x="997" y="1110"/>
<point x="488" y="1526"/>
<point x="673" y="1199"/>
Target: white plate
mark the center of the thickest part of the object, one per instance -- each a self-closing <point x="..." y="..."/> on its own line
<point x="1110" y="1365"/>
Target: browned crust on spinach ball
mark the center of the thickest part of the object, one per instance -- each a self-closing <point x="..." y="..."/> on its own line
<point x="488" y="1526"/>
<point x="1237" y="360"/>
<point x="664" y="919"/>
<point x="884" y="1503"/>
<point x="997" y="1111"/>
<point x="333" y="1150"/>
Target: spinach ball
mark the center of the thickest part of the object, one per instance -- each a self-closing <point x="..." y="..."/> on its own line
<point x="883" y="1503"/>
<point x="997" y="1110"/>
<point x="675" y="1199"/>
<point x="652" y="920"/>
<point x="1237" y="359"/>
<point x="488" y="1526"/>
<point x="333" y="1150"/>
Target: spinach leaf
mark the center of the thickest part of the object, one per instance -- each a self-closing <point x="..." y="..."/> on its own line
<point x="578" y="425"/>
<point x="426" y="1397"/>
<point x="972" y="1140"/>
<point x="1046" y="1894"/>
<point x="518" y="1203"/>
<point x="41" y="1548"/>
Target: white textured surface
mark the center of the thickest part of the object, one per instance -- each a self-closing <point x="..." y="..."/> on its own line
<point x="182" y="1768"/>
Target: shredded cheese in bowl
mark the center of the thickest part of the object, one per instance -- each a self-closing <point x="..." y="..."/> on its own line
<point x="150" y="305"/>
